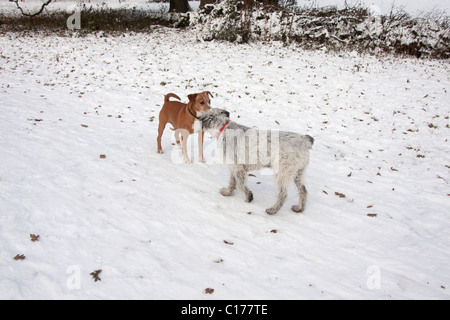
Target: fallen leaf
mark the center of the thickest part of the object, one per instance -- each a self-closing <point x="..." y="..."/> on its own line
<point x="19" y="257"/>
<point x="84" y="125"/>
<point x="209" y="291"/>
<point x="95" y="275"/>
<point x="102" y="156"/>
<point x="228" y="242"/>
<point x="340" y="195"/>
<point x="372" y="215"/>
<point x="34" y="237"/>
<point x="273" y="231"/>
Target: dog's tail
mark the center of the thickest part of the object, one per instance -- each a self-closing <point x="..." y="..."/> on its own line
<point x="170" y="95"/>
<point x="310" y="140"/>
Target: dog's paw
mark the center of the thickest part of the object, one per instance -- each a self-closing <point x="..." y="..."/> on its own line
<point x="160" y="152"/>
<point x="297" y="208"/>
<point x="226" y="192"/>
<point x="271" y="211"/>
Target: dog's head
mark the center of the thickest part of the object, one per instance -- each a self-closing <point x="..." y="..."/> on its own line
<point x="200" y="102"/>
<point x="214" y="119"/>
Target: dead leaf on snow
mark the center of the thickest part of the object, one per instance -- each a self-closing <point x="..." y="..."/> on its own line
<point x="19" y="257"/>
<point x="340" y="195"/>
<point x="95" y="275"/>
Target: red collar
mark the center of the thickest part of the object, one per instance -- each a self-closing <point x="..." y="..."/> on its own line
<point x="223" y="128"/>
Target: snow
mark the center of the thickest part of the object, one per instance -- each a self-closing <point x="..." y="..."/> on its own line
<point x="376" y="225"/>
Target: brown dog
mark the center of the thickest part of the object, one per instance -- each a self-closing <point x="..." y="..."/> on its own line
<point x="182" y="117"/>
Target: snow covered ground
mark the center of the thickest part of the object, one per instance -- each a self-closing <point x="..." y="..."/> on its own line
<point x="79" y="168"/>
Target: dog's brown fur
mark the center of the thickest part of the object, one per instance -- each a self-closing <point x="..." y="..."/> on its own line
<point x="177" y="114"/>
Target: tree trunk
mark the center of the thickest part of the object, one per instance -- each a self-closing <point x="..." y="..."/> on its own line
<point x="179" y="6"/>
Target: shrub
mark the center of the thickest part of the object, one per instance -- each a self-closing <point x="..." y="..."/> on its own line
<point x="350" y="28"/>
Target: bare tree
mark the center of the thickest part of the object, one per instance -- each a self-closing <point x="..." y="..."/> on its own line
<point x="46" y="3"/>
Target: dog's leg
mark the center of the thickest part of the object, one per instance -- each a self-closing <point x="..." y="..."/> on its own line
<point x="282" y="183"/>
<point x="226" y="192"/>
<point x="301" y="192"/>
<point x="184" y="148"/>
<point x="161" y="126"/>
<point x="177" y="137"/>
<point x="241" y="179"/>
<point x="200" y="146"/>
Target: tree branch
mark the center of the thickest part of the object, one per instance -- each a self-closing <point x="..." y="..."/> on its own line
<point x="46" y="3"/>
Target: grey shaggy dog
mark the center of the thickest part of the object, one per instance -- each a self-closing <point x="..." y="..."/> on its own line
<point x="245" y="149"/>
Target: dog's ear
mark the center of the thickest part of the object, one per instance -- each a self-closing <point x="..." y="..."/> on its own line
<point x="226" y="113"/>
<point x="192" y="97"/>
